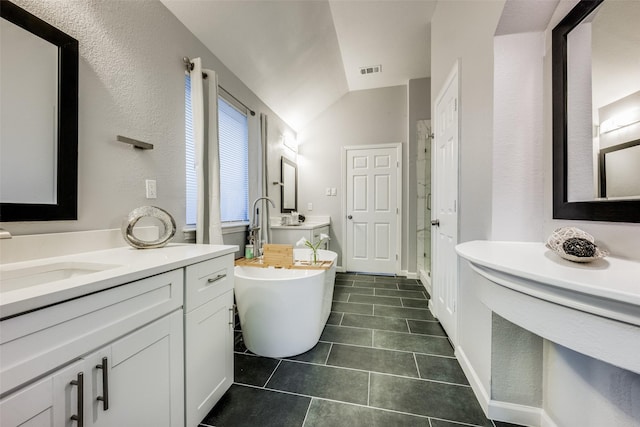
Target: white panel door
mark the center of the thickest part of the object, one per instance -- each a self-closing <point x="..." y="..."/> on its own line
<point x="372" y="215"/>
<point x="445" y="212"/>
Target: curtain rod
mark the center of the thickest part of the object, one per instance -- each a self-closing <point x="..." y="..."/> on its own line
<point x="189" y="66"/>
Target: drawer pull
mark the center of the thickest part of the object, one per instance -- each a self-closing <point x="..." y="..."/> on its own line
<point x="79" y="417"/>
<point x="215" y="279"/>
<point x="105" y="384"/>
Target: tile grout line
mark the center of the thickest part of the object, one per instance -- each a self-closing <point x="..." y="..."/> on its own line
<point x="302" y="362"/>
<point x="273" y="372"/>
<point x="383" y="348"/>
<point x="307" y="413"/>
<point x="328" y="354"/>
<point x="415" y="360"/>
<point x="387" y="330"/>
<point x="369" y="389"/>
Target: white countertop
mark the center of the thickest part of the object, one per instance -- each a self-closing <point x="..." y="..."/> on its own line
<point x="307" y="225"/>
<point x="130" y="265"/>
<point x="592" y="308"/>
<point x="612" y="278"/>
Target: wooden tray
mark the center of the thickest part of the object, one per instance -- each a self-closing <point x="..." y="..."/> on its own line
<point x="297" y="265"/>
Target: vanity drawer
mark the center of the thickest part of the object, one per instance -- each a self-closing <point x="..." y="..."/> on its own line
<point x="207" y="280"/>
<point x="35" y="343"/>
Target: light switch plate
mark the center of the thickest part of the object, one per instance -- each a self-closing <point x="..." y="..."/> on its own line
<point x="334" y="191"/>
<point x="309" y="206"/>
<point x="150" y="185"/>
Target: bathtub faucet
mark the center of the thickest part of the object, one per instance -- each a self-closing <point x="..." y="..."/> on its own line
<point x="254" y="228"/>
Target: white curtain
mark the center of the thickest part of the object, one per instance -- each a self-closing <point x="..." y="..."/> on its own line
<point x="205" y="131"/>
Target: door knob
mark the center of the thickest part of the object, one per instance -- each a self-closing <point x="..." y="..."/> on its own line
<point x="435" y="222"/>
<point x="349" y="217"/>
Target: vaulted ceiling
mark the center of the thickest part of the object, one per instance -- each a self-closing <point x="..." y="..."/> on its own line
<point x="300" y="56"/>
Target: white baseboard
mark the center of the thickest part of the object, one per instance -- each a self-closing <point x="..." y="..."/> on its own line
<point x="498" y="410"/>
<point x="476" y="385"/>
<point x="432" y="308"/>
<point x="514" y="413"/>
<point x="409" y="275"/>
<point x="426" y="282"/>
<point x="546" y="420"/>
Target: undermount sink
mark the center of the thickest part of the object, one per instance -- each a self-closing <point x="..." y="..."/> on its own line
<point x="13" y="279"/>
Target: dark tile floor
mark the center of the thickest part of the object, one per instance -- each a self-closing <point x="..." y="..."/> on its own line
<point x="382" y="360"/>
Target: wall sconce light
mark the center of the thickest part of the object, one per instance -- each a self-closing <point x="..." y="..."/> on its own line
<point x="290" y="142"/>
<point x="621" y="120"/>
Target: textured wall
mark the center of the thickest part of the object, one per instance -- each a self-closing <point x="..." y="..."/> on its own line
<point x="375" y="116"/>
<point x="132" y="84"/>
<point x="517" y="143"/>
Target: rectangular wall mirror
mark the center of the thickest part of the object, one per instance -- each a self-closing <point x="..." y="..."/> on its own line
<point x="596" y="112"/>
<point x="289" y="188"/>
<point x="39" y="116"/>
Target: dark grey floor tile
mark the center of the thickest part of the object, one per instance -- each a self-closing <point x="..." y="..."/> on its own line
<point x="504" y="424"/>
<point x="426" y="327"/>
<point x="440" y="369"/>
<point x="373" y="359"/>
<point x="267" y="409"/>
<point x="415" y="303"/>
<point x="345" y="385"/>
<point x="411" y="287"/>
<point x="401" y="294"/>
<point x="346" y="307"/>
<point x="404" y="313"/>
<point x="334" y="318"/>
<point x="317" y="354"/>
<point x="238" y="342"/>
<point x="340" y="334"/>
<point x="341" y="282"/>
<point x="444" y="423"/>
<point x="445" y="401"/>
<point x="340" y="296"/>
<point x="324" y="413"/>
<point x="376" y="285"/>
<point x="412" y="342"/>
<point x="375" y="322"/>
<point x="253" y="370"/>
<point x="363" y="278"/>
<point x="370" y="299"/>
<point x="353" y="290"/>
<point x="388" y="279"/>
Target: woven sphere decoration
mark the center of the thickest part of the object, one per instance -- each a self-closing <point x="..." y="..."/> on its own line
<point x="579" y="247"/>
<point x="574" y="245"/>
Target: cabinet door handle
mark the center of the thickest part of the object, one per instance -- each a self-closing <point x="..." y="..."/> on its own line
<point x="79" y="417"/>
<point x="215" y="279"/>
<point x="105" y="384"/>
<point x="232" y="315"/>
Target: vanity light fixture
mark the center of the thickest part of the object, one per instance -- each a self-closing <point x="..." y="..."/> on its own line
<point x="621" y="120"/>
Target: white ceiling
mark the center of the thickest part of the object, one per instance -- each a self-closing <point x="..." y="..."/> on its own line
<point x="300" y="56"/>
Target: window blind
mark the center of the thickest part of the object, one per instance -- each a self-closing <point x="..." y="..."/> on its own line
<point x="234" y="161"/>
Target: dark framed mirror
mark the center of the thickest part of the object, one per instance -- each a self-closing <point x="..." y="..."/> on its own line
<point x="594" y="84"/>
<point x="289" y="188"/>
<point x="39" y="143"/>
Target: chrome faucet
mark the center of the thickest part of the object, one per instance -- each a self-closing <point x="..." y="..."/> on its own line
<point x="253" y="226"/>
<point x="4" y="234"/>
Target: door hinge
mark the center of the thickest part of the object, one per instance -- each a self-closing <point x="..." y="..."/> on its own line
<point x="455" y="206"/>
<point x="455" y="104"/>
<point x="396" y="257"/>
<point x="397" y="211"/>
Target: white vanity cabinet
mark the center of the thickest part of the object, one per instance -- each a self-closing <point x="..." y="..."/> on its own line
<point x="290" y="234"/>
<point x="142" y="360"/>
<point x="208" y="319"/>
<point x="115" y="355"/>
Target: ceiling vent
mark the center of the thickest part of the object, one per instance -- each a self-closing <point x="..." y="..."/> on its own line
<point x="372" y="69"/>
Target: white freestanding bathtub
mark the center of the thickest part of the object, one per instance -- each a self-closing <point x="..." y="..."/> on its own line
<point x="283" y="311"/>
